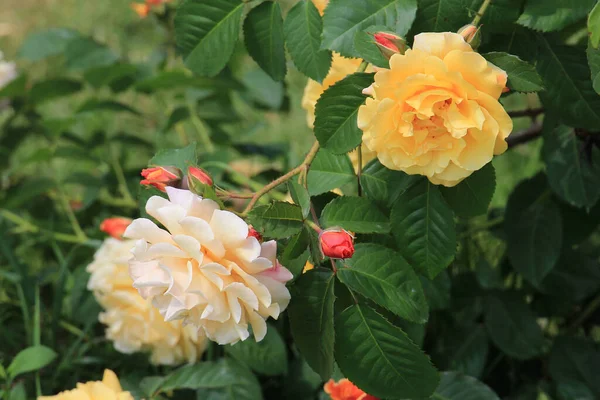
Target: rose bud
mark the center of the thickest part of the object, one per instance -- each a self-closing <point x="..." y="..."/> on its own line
<point x="389" y="44"/>
<point x="336" y="243"/>
<point x="471" y="34"/>
<point x="142" y="10"/>
<point x="161" y="177"/>
<point x="115" y="227"/>
<point x="254" y="233"/>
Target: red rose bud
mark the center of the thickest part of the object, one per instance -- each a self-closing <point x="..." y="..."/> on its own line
<point x="336" y="243"/>
<point x="389" y="44"/>
<point x="199" y="175"/>
<point x="161" y="177"/>
<point x="115" y="227"/>
<point x="254" y="233"/>
<point x="471" y="34"/>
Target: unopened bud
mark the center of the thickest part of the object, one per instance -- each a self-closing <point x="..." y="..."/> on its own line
<point x="161" y="177"/>
<point x="254" y="233"/>
<point x="141" y="9"/>
<point x="115" y="227"/>
<point x="471" y="34"/>
<point x="336" y="243"/>
<point x="389" y="44"/>
<point x="197" y="180"/>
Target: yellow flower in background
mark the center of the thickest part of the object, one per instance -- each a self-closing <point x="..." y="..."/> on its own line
<point x="107" y="389"/>
<point x="320" y="4"/>
<point x="133" y="325"/>
<point x="307" y="267"/>
<point x="435" y="112"/>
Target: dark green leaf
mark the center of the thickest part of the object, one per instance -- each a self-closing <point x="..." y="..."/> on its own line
<point x="180" y="158"/>
<point x="437" y="291"/>
<point x="466" y="349"/>
<point x="83" y="53"/>
<point x="336" y="113"/>
<point x="574" y="359"/>
<point x="574" y="391"/>
<point x="31" y="359"/>
<point x="107" y="75"/>
<point x="329" y="171"/>
<point x="513" y="327"/>
<point x="94" y="105"/>
<point x="300" y="196"/>
<point x="263" y="33"/>
<point x="303" y="28"/>
<point x="206" y="32"/>
<point x="367" y="49"/>
<point x="384" y="185"/>
<point x="472" y="196"/>
<point x="311" y="319"/>
<point x="379" y="357"/>
<point x="423" y="226"/>
<point x="267" y="357"/>
<point x="15" y="88"/>
<point x="533" y="230"/>
<point x="553" y="15"/>
<point x="54" y="88"/>
<point x="297" y="245"/>
<point x="575" y="277"/>
<point x="356" y="214"/>
<point x="456" y="386"/>
<point x="383" y="276"/>
<point x="593" y="56"/>
<point x="442" y="15"/>
<point x="343" y="19"/>
<point x="278" y="220"/>
<point x="522" y="76"/>
<point x="50" y="42"/>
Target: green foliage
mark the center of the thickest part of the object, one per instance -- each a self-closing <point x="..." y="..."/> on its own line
<point x="30" y="359"/>
<point x="366" y="47"/>
<point x="455" y="386"/>
<point x="267" y="357"/>
<point x="522" y="76"/>
<point x="553" y="15"/>
<point x="594" y="26"/>
<point x="472" y="196"/>
<point x="356" y="214"/>
<point x="277" y="220"/>
<point x="329" y="171"/>
<point x="441" y="15"/>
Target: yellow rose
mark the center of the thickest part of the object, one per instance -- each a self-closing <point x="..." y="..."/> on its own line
<point x="107" y="389"/>
<point x="340" y="68"/>
<point x="321" y="4"/>
<point x="435" y="112"/>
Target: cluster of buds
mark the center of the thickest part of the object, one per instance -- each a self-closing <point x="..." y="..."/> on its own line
<point x="389" y="44"/>
<point x="195" y="179"/>
<point x="143" y="9"/>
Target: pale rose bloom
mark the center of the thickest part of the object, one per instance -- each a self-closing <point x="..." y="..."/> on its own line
<point x="107" y="389"/>
<point x="8" y="71"/>
<point x="435" y="112"/>
<point x="205" y="269"/>
<point x="132" y="323"/>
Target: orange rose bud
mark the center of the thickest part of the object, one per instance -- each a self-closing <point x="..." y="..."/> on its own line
<point x="336" y="243"/>
<point x="471" y="34"/>
<point x="389" y="44"/>
<point x="161" y="177"/>
<point x="254" y="233"/>
<point x="141" y="9"/>
<point x="345" y="390"/>
<point x="200" y="175"/>
<point x="115" y="227"/>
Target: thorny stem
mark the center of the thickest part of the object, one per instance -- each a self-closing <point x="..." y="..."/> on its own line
<point x="481" y="11"/>
<point x="313" y="225"/>
<point x="284" y="178"/>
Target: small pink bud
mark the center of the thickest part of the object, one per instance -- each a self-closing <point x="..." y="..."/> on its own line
<point x="389" y="44"/>
<point x="200" y="175"/>
<point x="115" y="227"/>
<point x="161" y="177"/>
<point x="336" y="243"/>
<point x="471" y="34"/>
<point x="254" y="233"/>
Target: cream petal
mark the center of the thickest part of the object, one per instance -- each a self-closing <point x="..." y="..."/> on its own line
<point x="155" y="203"/>
<point x="249" y="249"/>
<point x="203" y="209"/>
<point x="198" y="228"/>
<point x="259" y="326"/>
<point x="143" y="228"/>
<point x="183" y="198"/>
<point x="190" y="246"/>
<point x="244" y="293"/>
<point x="164" y="250"/>
<point x="228" y="228"/>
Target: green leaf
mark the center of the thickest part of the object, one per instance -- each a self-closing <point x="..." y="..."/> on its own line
<point x="297" y="246"/>
<point x="18" y="392"/>
<point x="522" y="76"/>
<point x="52" y="89"/>
<point x="303" y="28"/>
<point x="379" y="357"/>
<point x="343" y="19"/>
<point x="423" y="226"/>
<point x="278" y="220"/>
<point x="456" y="386"/>
<point x="263" y="33"/>
<point x="336" y="113"/>
<point x="267" y="357"/>
<point x="513" y="327"/>
<point x="467" y="349"/>
<point x="300" y="196"/>
<point x="367" y="49"/>
<point x="15" y="88"/>
<point x="472" y="196"/>
<point x="575" y="277"/>
<point x="441" y="15"/>
<point x="575" y="359"/>
<point x="206" y="32"/>
<point x="94" y="105"/>
<point x="571" y="175"/>
<point x="569" y="93"/>
<point x="594" y="26"/>
<point x="329" y="171"/>
<point x="553" y="15"/>
<point x="46" y="43"/>
<point x="83" y="53"/>
<point x="573" y="391"/>
<point x="437" y="291"/>
<point x="109" y="75"/>
<point x="311" y="319"/>
<point x="383" y="276"/>
<point x="31" y="359"/>
<point x="593" y="56"/>
<point x="180" y="158"/>
<point x="499" y="15"/>
<point x="533" y="229"/>
<point x="383" y="185"/>
<point x="356" y="214"/>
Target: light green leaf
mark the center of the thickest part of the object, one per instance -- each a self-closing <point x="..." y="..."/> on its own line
<point x="300" y="196"/>
<point x="575" y="359"/>
<point x="442" y="15"/>
<point x="17" y="392"/>
<point x="553" y="15"/>
<point x="367" y="49"/>
<point x="593" y="56"/>
<point x="383" y="276"/>
<point x="512" y="326"/>
<point x="180" y="158"/>
<point x="456" y="386"/>
<point x="31" y="359"/>
<point x="278" y="220"/>
<point x="379" y="357"/>
<point x="311" y="319"/>
<point x="15" y="88"/>
<point x="52" y="89"/>
<point x="83" y="53"/>
<point x="594" y="26"/>
<point x="329" y="171"/>
<point x="572" y="176"/>
<point x="356" y="214"/>
<point x="303" y="28"/>
<point x="206" y="32"/>
<point x="46" y="43"/>
<point x="423" y="226"/>
<point x="472" y="196"/>
<point x="267" y="357"/>
<point x="111" y="75"/>
<point x="343" y="19"/>
<point x="522" y="76"/>
<point x="383" y="185"/>
<point x="533" y="229"/>
<point x="336" y="113"/>
<point x="263" y="33"/>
